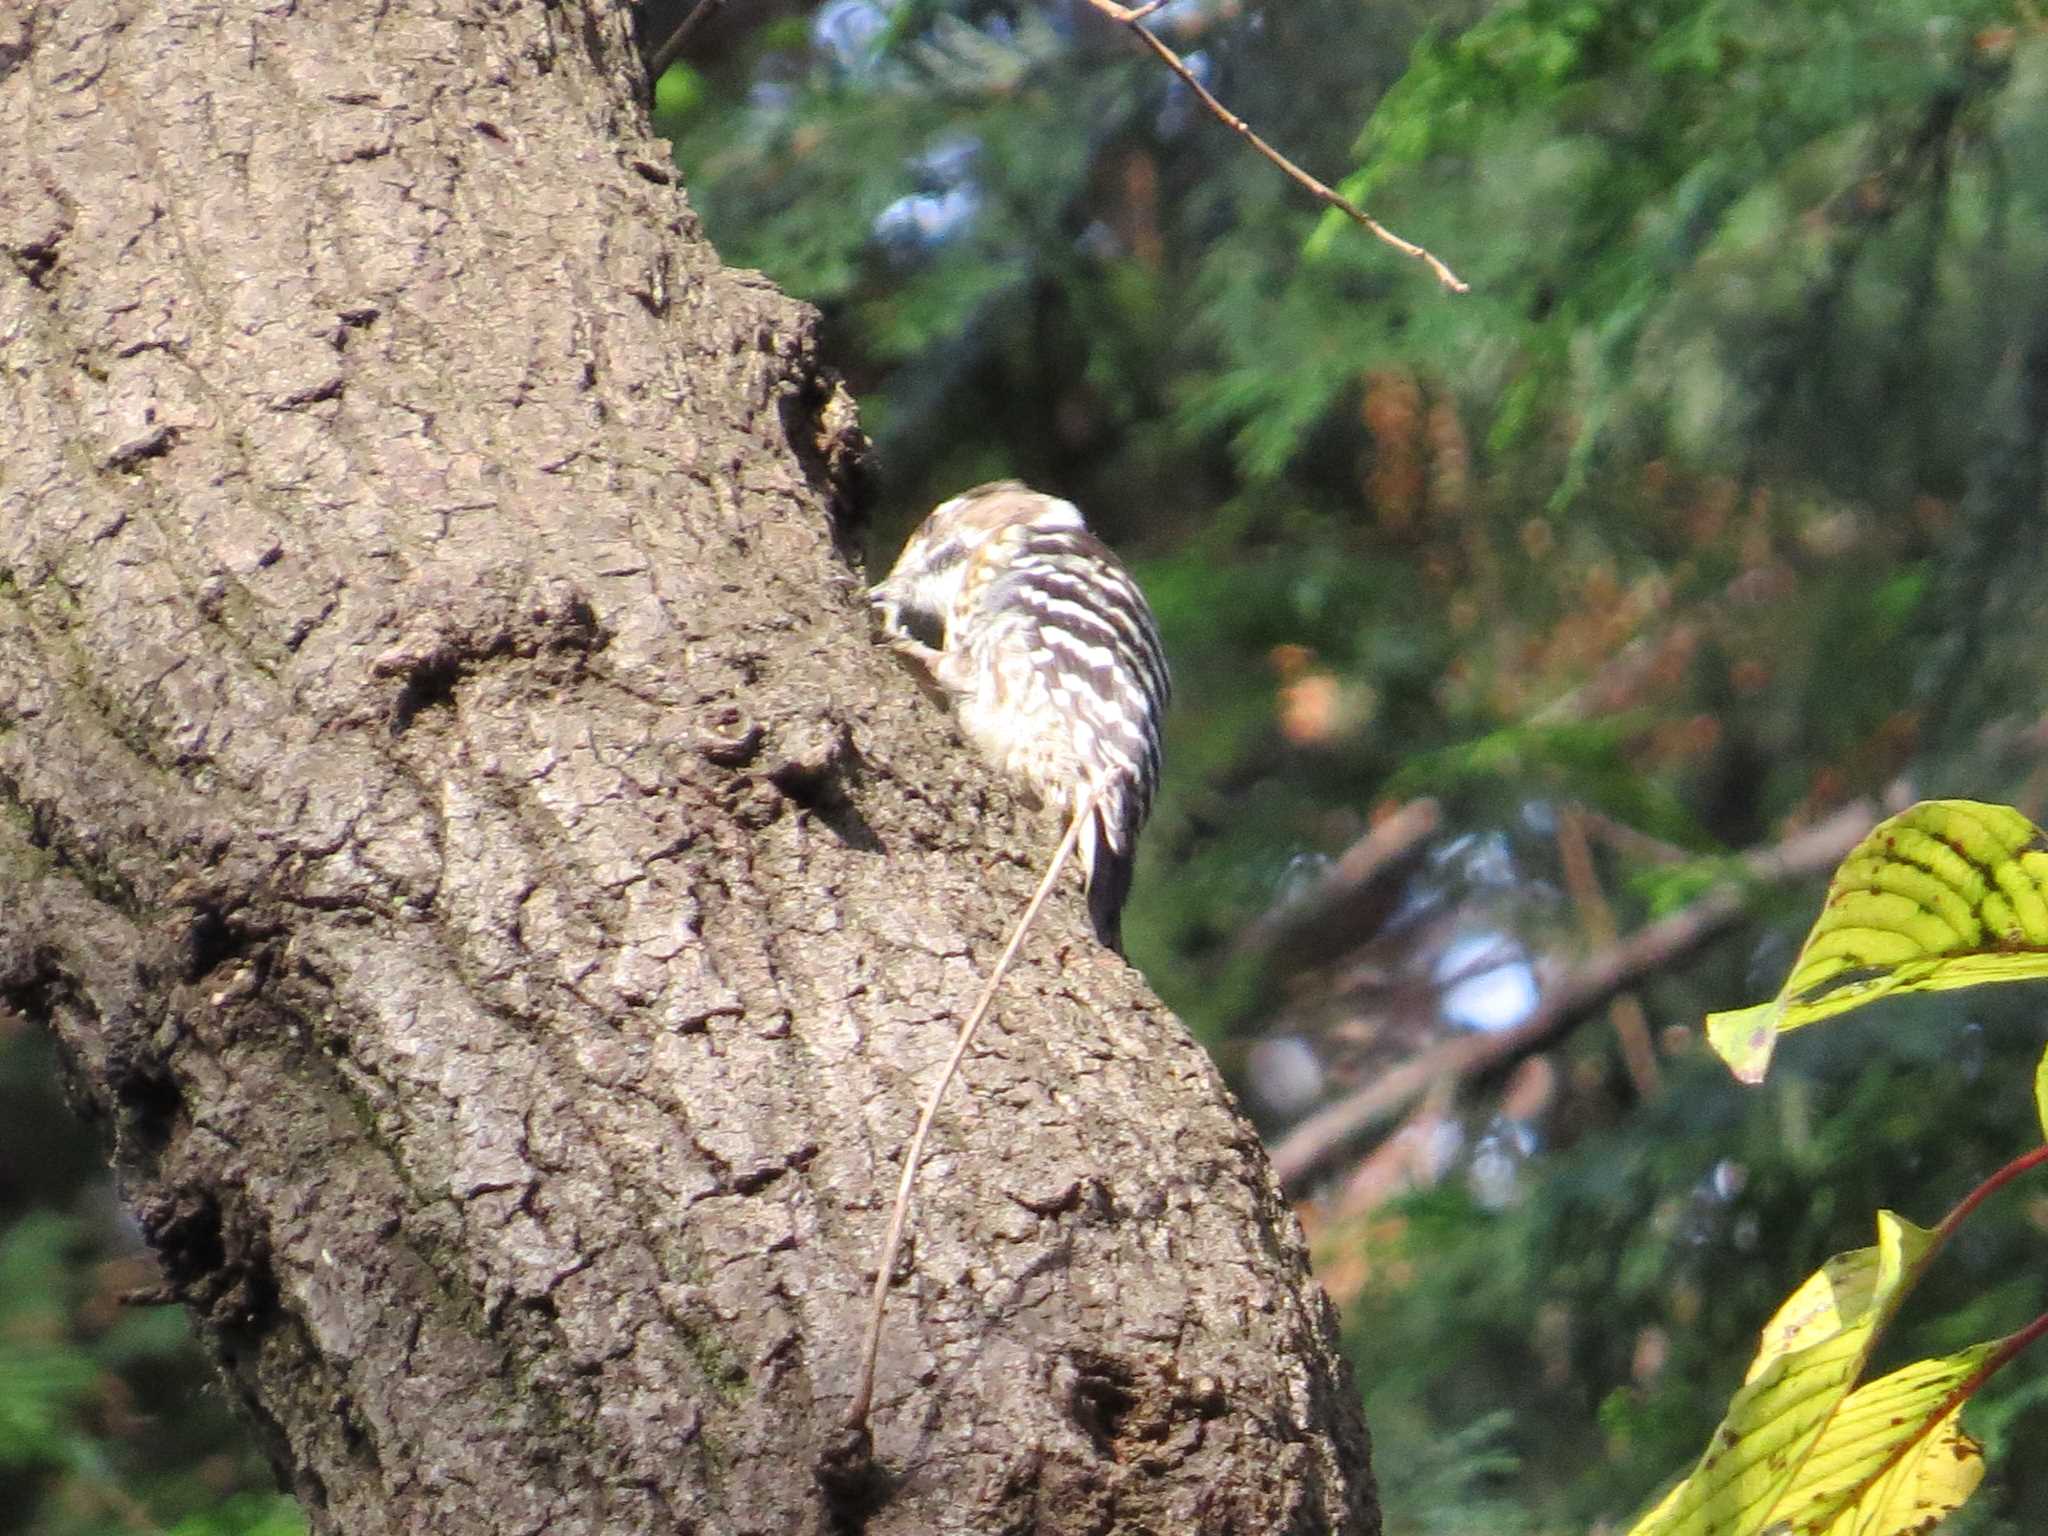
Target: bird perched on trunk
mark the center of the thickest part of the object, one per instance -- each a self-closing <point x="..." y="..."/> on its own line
<point x="1051" y="656"/>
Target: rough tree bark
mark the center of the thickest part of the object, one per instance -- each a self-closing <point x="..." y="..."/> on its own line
<point x="484" y="878"/>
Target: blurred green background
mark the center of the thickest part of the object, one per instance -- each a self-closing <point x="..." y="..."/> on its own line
<point x="1716" y="505"/>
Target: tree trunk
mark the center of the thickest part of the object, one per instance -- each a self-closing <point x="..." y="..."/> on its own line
<point x="501" y="904"/>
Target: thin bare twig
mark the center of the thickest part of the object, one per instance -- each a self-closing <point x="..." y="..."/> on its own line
<point x="666" y="54"/>
<point x="899" y="1218"/>
<point x="1133" y="16"/>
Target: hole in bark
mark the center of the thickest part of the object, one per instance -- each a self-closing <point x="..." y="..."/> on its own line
<point x="754" y="1180"/>
<point x="184" y="1229"/>
<point x="819" y="778"/>
<point x="209" y="942"/>
<point x="353" y="1435"/>
<point x="1100" y="1399"/>
<point x="811" y="782"/>
<point x="822" y="426"/>
<point x="149" y="1104"/>
<point x="214" y="1267"/>
<point x="855" y="1485"/>
<point x="431" y="682"/>
<point x="34" y="261"/>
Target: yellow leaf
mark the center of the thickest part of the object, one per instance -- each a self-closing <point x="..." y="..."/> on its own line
<point x="1810" y="1355"/>
<point x="1840" y="1294"/>
<point x="1892" y="1460"/>
<point x="2041" y="1091"/>
<point x="1951" y="893"/>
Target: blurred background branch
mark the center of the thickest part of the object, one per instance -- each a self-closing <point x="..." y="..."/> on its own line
<point x="1612" y="968"/>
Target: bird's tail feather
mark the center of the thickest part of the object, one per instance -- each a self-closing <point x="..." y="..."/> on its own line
<point x="1109" y="879"/>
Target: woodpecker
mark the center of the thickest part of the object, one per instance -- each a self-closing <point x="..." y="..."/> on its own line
<point x="1051" y="656"/>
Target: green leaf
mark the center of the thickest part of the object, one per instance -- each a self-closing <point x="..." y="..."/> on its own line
<point x="2041" y="1091"/>
<point x="247" y="1515"/>
<point x="41" y="1387"/>
<point x="43" y="1377"/>
<point x="1810" y="1355"/>
<point x="1951" y="893"/>
<point x="680" y="91"/>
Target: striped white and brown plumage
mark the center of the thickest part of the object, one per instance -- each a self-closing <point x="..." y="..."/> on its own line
<point x="1052" y="658"/>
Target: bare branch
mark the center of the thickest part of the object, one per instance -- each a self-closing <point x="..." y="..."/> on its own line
<point x="1403" y="1161"/>
<point x="1360" y="889"/>
<point x="1596" y="917"/>
<point x="1133" y="18"/>
<point x="666" y="54"/>
<point x="1631" y="842"/>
